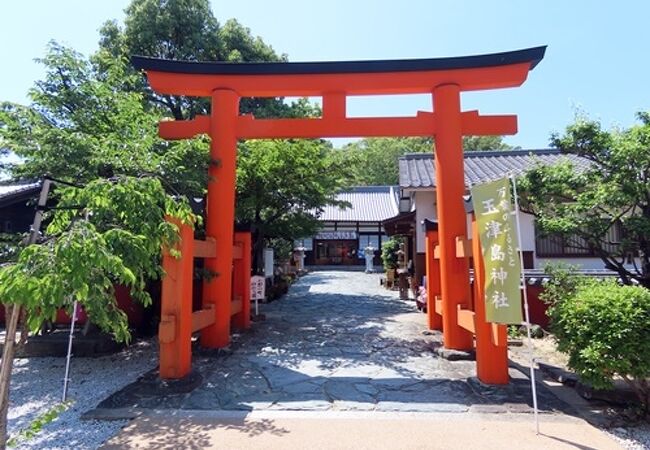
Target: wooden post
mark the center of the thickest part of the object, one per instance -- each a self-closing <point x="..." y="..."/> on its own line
<point x="452" y="222"/>
<point x="434" y="319"/>
<point x="175" y="329"/>
<point x="242" y="280"/>
<point x="491" y="339"/>
<point x="221" y="215"/>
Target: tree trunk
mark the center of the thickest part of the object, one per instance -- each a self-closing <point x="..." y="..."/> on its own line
<point x="24" y="330"/>
<point x="258" y="251"/>
<point x="11" y="322"/>
<point x="6" y="367"/>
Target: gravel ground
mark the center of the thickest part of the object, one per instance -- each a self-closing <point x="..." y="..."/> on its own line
<point x="37" y="382"/>
<point x="36" y="387"/>
<point x="632" y="438"/>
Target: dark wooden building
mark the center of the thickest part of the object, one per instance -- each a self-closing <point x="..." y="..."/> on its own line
<point x="346" y="232"/>
<point x="17" y="202"/>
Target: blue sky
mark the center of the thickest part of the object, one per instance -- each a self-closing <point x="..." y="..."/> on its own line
<point x="596" y="59"/>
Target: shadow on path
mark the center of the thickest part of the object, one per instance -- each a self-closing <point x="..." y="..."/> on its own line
<point x="337" y="341"/>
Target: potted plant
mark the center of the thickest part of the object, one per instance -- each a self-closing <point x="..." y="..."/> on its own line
<point x="389" y="257"/>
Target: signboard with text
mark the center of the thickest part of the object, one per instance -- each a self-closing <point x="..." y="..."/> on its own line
<point x="497" y="227"/>
<point x="336" y="235"/>
<point x="258" y="285"/>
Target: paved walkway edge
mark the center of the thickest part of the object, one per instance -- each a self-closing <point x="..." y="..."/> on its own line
<point x="354" y="429"/>
<point x="132" y="413"/>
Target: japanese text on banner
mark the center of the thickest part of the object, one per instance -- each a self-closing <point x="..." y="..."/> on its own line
<point x="497" y="228"/>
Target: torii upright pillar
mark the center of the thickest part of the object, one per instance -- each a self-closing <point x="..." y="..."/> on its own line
<point x="217" y="289"/>
<point x="452" y="220"/>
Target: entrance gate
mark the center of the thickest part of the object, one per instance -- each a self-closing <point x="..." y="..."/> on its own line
<point x="448" y="248"/>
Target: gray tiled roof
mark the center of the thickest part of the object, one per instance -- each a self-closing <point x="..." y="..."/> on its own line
<point x="17" y="189"/>
<point x="369" y="204"/>
<point x="416" y="170"/>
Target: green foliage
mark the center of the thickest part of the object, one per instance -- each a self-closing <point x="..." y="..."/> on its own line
<point x="173" y="29"/>
<point x="389" y="251"/>
<point x="374" y="161"/>
<point x="4" y="163"/>
<point x="588" y="206"/>
<point x="484" y="143"/>
<point x="79" y="266"/>
<point x="94" y="122"/>
<point x="562" y="283"/>
<point x="81" y="127"/>
<point x="37" y="424"/>
<point x="9" y="246"/>
<point x="282" y="248"/>
<point x="115" y="240"/>
<point x="187" y="30"/>
<point x="604" y="328"/>
<point x="281" y="185"/>
<point x="513" y="332"/>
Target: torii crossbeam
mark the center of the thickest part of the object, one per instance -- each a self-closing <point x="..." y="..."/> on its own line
<point x="443" y="78"/>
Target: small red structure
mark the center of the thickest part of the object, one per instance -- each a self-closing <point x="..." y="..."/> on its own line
<point x="443" y="78"/>
<point x="177" y="320"/>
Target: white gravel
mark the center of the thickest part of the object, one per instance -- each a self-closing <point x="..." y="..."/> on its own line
<point x="632" y="438"/>
<point x="36" y="386"/>
<point x="37" y="383"/>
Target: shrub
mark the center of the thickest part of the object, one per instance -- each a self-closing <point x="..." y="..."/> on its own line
<point x="604" y="327"/>
<point x="563" y="282"/>
<point x="389" y="252"/>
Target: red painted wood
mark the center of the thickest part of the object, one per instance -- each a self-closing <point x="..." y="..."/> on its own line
<point x="434" y="320"/>
<point x="220" y="215"/>
<point x="452" y="220"/>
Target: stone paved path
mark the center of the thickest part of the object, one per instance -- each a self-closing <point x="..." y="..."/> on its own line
<point x="337" y="341"/>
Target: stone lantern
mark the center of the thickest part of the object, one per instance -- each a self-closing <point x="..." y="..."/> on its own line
<point x="369" y="254"/>
<point x="299" y="257"/>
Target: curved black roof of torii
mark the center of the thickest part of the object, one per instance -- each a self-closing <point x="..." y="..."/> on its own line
<point x="531" y="55"/>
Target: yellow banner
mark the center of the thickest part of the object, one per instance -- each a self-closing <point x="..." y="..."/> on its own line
<point x="497" y="227"/>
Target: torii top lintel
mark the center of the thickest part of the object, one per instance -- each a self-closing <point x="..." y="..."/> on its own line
<point x="334" y="81"/>
<point x="376" y="77"/>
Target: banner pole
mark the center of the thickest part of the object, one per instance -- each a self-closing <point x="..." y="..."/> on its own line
<point x="526" y="311"/>
<point x="66" y="379"/>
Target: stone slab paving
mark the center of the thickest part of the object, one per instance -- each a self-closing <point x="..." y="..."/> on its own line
<point x="337" y="341"/>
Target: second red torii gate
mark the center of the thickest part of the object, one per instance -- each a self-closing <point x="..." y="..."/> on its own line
<point x="443" y="78"/>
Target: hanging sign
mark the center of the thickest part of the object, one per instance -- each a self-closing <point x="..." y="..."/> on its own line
<point x="494" y="216"/>
<point x="336" y="235"/>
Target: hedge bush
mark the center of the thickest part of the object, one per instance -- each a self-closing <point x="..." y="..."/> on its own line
<point x="604" y="328"/>
<point x="389" y="251"/>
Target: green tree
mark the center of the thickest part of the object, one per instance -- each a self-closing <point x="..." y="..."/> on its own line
<point x="389" y="249"/>
<point x="9" y="246"/>
<point x="604" y="207"/>
<point x="281" y="186"/>
<point x="82" y="129"/>
<point x="4" y="164"/>
<point x="93" y="122"/>
<point x="81" y="126"/>
<point x="374" y="161"/>
<point x="188" y="30"/>
<point x="484" y="143"/>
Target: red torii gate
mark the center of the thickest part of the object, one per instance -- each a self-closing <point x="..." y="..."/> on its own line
<point x="443" y="78"/>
